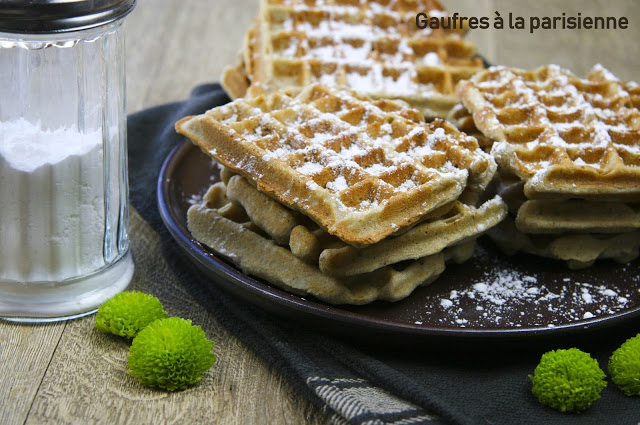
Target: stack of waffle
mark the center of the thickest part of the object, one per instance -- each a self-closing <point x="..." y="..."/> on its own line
<point x="333" y="194"/>
<point x="568" y="155"/>
<point x="373" y="47"/>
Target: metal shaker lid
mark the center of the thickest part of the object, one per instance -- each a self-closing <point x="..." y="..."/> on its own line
<point x="53" y="16"/>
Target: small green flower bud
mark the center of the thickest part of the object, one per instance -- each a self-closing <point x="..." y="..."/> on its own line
<point x="624" y="366"/>
<point x="568" y="380"/>
<point x="170" y="354"/>
<point x="127" y="313"/>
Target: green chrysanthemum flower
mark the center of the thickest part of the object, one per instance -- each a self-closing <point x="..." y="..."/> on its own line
<point x="127" y="313"/>
<point x="624" y="366"/>
<point x="568" y="380"/>
<point x="170" y="354"/>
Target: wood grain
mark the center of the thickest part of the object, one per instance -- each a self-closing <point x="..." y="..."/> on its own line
<point x="88" y="375"/>
<point x="25" y="354"/>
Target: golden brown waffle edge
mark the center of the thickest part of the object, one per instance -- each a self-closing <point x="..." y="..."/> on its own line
<point x="372" y="47"/>
<point x="566" y="137"/>
<point x="358" y="168"/>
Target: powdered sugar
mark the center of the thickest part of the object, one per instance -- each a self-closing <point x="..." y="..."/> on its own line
<point x="505" y="296"/>
<point x="338" y="185"/>
<point x="577" y="116"/>
<point x="307" y="141"/>
<point x="366" y="46"/>
<point x="310" y="168"/>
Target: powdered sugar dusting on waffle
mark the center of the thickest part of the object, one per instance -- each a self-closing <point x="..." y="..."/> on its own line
<point x="360" y="168"/>
<point x="370" y="46"/>
<point x="349" y="37"/>
<point x="552" y="115"/>
<point x="346" y="160"/>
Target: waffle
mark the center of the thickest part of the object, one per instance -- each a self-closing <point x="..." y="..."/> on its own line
<point x="564" y="136"/>
<point x="373" y="47"/>
<point x="235" y="78"/>
<point x="234" y="81"/>
<point x="634" y="92"/>
<point x="576" y="215"/>
<point x="262" y="210"/>
<point x="222" y="226"/>
<point x="578" y="250"/>
<point x="451" y="225"/>
<point x="361" y="169"/>
<point x="463" y="120"/>
<point x="576" y="231"/>
<point x="461" y="224"/>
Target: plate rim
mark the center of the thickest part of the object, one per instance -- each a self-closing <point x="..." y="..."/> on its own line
<point x="267" y="293"/>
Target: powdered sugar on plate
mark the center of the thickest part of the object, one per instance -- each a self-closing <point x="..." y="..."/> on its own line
<point x="507" y="297"/>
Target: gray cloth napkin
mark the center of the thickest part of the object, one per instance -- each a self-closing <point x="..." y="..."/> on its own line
<point x="374" y="383"/>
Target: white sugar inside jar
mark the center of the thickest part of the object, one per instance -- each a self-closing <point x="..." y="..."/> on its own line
<point x="64" y="246"/>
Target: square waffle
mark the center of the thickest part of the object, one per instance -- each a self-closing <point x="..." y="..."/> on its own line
<point x="568" y="151"/>
<point x="578" y="250"/>
<point x="564" y="136"/>
<point x="576" y="231"/>
<point x="451" y="225"/>
<point x="361" y="169"/>
<point x="373" y="47"/>
<point x="246" y="226"/>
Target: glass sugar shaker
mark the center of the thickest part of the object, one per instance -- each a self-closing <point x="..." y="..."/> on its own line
<point x="64" y="202"/>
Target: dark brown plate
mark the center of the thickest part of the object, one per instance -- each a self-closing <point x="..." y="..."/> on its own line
<point x="490" y="296"/>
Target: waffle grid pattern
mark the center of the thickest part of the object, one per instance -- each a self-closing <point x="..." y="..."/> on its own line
<point x="373" y="47"/>
<point x="568" y="135"/>
<point x="334" y="154"/>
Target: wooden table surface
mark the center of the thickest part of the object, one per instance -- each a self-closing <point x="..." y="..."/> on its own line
<point x="67" y="372"/>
